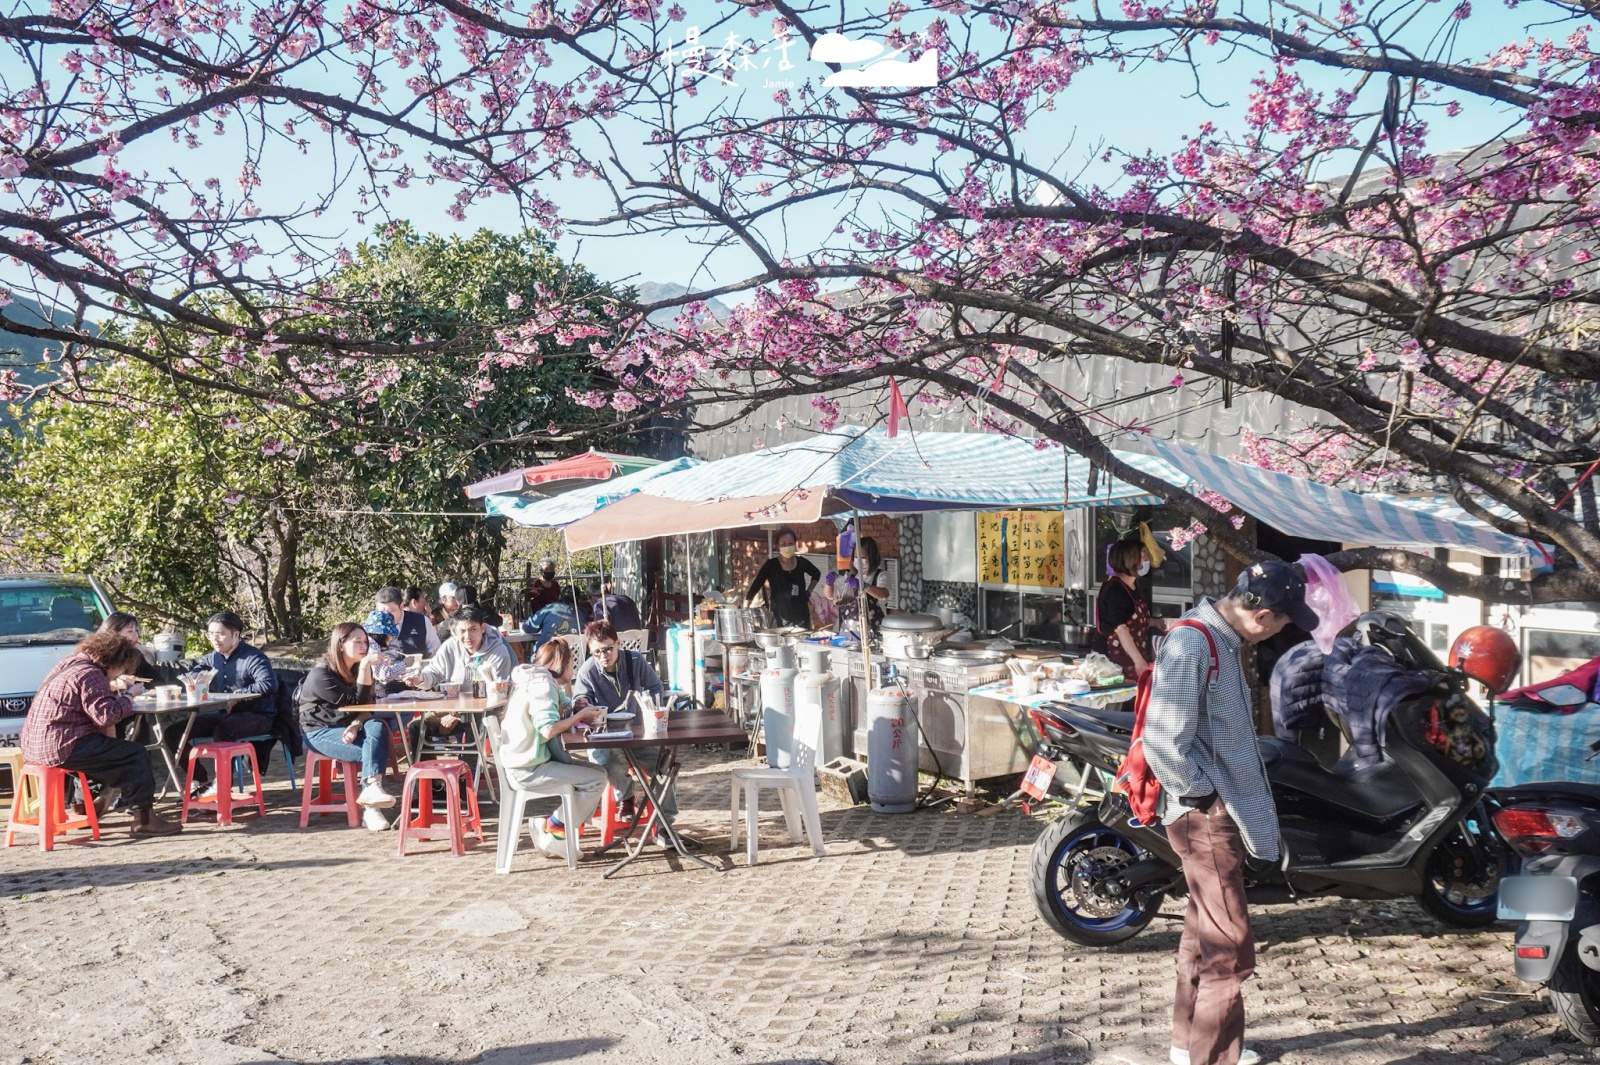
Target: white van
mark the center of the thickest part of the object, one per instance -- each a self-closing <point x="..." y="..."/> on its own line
<point x="42" y="615"/>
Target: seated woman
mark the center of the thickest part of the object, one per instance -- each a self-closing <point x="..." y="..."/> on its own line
<point x="556" y="658"/>
<point x="612" y="673"/>
<point x="135" y="727"/>
<point x="344" y="678"/>
<point x="532" y="723"/>
<point x="72" y="724"/>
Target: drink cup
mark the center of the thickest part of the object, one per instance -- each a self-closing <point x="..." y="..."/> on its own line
<point x="451" y="689"/>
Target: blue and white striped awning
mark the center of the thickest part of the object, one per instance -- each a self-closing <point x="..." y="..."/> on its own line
<point x="569" y="506"/>
<point x="871" y="471"/>
<point x="1300" y="507"/>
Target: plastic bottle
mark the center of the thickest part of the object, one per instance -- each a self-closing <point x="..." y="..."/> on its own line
<point x="480" y="689"/>
<point x="847" y="546"/>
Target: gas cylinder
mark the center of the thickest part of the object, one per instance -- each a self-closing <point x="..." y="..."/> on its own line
<point x="777" y="715"/>
<point x="891" y="751"/>
<point x="819" y="713"/>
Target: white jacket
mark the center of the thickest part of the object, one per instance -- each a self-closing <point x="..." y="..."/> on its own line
<point x="532" y="709"/>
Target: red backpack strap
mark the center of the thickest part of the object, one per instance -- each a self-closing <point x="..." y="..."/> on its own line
<point x="1211" y="645"/>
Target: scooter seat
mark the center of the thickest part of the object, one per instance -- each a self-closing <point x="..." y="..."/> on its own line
<point x="1110" y="720"/>
<point x="1375" y="795"/>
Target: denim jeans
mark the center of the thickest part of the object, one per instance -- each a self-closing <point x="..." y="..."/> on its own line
<point x="373" y="753"/>
<point x="615" y="763"/>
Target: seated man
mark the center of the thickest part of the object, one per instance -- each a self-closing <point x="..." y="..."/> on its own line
<point x="239" y="668"/>
<point x="550" y="621"/>
<point x="73" y="720"/>
<point x="473" y="644"/>
<point x="412" y="629"/>
<point x="613" y="606"/>
<point x="609" y="675"/>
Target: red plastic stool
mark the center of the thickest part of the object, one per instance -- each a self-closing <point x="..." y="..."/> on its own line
<point x="319" y="773"/>
<point x="608" y="822"/>
<point x="223" y="755"/>
<point x="456" y="777"/>
<point x="47" y="787"/>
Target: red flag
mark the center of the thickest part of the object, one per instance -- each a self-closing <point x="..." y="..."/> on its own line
<point x="897" y="408"/>
<point x="1000" y="375"/>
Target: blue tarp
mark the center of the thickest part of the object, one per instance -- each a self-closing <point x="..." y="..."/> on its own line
<point x="869" y="470"/>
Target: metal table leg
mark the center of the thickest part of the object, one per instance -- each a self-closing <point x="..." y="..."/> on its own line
<point x="658" y="820"/>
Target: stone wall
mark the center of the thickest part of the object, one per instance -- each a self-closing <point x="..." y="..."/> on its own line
<point x="1210" y="568"/>
<point x="957" y="595"/>
<point x="910" y="562"/>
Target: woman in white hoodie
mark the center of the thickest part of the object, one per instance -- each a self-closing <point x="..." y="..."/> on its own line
<point x="533" y="719"/>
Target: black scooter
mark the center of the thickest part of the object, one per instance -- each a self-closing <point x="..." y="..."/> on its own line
<point x="1409" y="826"/>
<point x="1555" y="829"/>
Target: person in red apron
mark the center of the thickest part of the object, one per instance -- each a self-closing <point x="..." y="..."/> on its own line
<point x="1122" y="618"/>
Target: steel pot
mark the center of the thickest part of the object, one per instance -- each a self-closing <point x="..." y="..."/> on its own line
<point x="912" y="643"/>
<point x="735" y="624"/>
<point x="911" y="623"/>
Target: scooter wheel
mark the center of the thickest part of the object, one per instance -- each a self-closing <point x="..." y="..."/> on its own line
<point x="1575" y="993"/>
<point x="1459" y="887"/>
<point x="1073" y="871"/>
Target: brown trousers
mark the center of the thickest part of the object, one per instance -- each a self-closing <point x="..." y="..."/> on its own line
<point x="1217" y="953"/>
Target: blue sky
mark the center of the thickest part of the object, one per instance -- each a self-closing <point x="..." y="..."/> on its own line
<point x="1136" y="111"/>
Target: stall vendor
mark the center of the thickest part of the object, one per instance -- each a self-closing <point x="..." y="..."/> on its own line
<point x="869" y="580"/>
<point x="787" y="580"/>
<point x="1122" y="617"/>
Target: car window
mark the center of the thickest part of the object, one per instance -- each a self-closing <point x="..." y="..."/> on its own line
<point x="47" y="614"/>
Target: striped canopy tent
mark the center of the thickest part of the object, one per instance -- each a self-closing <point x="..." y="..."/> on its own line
<point x="566" y="508"/>
<point x="866" y="470"/>
<point x="1300" y="507"/>
<point x="553" y="478"/>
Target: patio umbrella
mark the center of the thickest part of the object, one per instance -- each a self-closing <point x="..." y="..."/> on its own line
<point x="557" y="510"/>
<point x="553" y="478"/>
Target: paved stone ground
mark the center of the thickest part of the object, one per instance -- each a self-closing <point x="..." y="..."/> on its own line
<point x="914" y="940"/>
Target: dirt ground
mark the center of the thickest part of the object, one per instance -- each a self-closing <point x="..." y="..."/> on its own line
<point x="914" y="940"/>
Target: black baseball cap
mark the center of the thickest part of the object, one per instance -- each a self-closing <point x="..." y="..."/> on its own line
<point x="1279" y="587"/>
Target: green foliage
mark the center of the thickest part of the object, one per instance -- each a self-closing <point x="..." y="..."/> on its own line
<point x="186" y="500"/>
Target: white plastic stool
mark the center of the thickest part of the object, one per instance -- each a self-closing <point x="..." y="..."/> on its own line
<point x="796" y="786"/>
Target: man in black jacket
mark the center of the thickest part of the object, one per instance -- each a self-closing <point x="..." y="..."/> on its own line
<point x="413" y="627"/>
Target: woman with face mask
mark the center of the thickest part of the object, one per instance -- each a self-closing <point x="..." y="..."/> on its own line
<point x="866" y="576"/>
<point x="787" y="580"/>
<point x="1122" y="618"/>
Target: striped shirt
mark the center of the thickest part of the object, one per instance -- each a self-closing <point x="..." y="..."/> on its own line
<point x="1200" y="740"/>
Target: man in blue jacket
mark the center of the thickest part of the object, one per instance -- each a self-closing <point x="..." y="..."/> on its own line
<point x="239" y="668"/>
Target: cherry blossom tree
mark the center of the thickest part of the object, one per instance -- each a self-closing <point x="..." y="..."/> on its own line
<point x="1434" y="310"/>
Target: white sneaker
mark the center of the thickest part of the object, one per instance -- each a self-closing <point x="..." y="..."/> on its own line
<point x="205" y="794"/>
<point x="372" y="820"/>
<point x="547" y="844"/>
<point x="1179" y="1056"/>
<point x="374" y="795"/>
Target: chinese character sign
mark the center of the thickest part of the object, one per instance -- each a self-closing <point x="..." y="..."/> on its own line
<point x="1022" y="547"/>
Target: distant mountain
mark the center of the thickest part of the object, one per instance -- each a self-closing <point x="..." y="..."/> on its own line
<point x="25" y="354"/>
<point x="652" y="291"/>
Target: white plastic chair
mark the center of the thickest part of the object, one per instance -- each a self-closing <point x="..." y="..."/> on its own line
<point x="579" y="646"/>
<point x="514" y="806"/>
<point x="796" y="787"/>
<point x="634" y="639"/>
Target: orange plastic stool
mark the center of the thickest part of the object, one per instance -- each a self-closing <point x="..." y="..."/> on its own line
<point x="608" y="822"/>
<point x="223" y="755"/>
<point x="48" y="787"/>
<point x="11" y="757"/>
<point x="324" y="800"/>
<point x="457" y="778"/>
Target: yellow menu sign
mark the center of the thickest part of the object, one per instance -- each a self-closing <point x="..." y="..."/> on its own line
<point x="1021" y="547"/>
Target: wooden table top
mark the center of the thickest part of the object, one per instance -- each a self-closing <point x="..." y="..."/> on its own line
<point x="460" y="705"/>
<point x="683" y="728"/>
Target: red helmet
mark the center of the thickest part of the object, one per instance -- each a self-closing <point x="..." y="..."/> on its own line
<point x="1487" y="655"/>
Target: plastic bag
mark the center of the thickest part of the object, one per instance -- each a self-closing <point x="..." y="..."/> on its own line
<point x="1327" y="594"/>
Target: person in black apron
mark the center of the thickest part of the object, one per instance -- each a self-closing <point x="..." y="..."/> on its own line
<point x="1122" y="619"/>
<point x="845" y="588"/>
